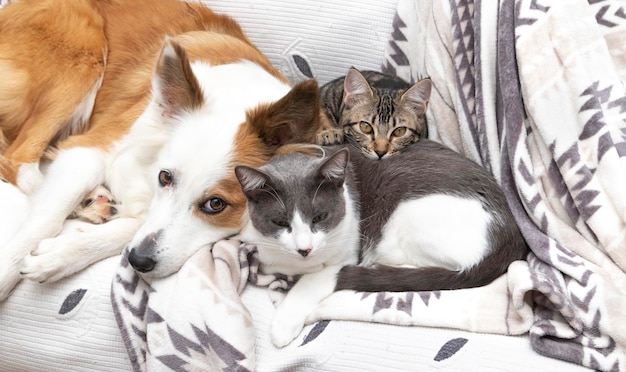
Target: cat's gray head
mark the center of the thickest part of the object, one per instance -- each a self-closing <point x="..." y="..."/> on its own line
<point x="382" y="122"/>
<point x="296" y="199"/>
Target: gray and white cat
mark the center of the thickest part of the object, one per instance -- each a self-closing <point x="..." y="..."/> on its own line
<point x="425" y="219"/>
<point x="380" y="114"/>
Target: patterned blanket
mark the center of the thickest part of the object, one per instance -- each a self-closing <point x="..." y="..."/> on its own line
<point x="191" y="321"/>
<point x="534" y="91"/>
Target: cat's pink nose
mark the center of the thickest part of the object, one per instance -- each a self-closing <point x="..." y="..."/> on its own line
<point x="304" y="252"/>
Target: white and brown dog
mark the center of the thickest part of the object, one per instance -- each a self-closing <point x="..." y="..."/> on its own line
<point x="158" y="100"/>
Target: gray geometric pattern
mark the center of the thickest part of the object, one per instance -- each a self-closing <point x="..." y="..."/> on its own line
<point x="571" y="266"/>
<point x="195" y="344"/>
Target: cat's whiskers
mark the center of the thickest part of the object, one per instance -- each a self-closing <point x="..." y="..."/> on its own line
<point x="274" y="193"/>
<point x="315" y="194"/>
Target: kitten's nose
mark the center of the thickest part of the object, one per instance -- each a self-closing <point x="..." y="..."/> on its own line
<point x="380" y="153"/>
<point x="304" y="252"/>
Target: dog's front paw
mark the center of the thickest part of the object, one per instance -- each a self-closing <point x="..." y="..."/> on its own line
<point x="97" y="207"/>
<point x="51" y="261"/>
<point x="285" y="329"/>
<point x="331" y="136"/>
<point x="29" y="178"/>
<point x="9" y="276"/>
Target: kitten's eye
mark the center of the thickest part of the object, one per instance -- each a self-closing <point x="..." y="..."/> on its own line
<point x="165" y="178"/>
<point x="365" y="127"/>
<point x="87" y="202"/>
<point x="399" y="132"/>
<point x="319" y="218"/>
<point x="280" y="223"/>
<point x="213" y="206"/>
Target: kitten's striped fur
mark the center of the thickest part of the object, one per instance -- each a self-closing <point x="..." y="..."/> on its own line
<point x="379" y="114"/>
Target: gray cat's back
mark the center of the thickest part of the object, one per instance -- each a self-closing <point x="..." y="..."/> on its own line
<point x="446" y="192"/>
<point x="420" y="170"/>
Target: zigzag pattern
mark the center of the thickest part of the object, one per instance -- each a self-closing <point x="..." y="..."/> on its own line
<point x="609" y="13"/>
<point x="395" y="58"/>
<point x="527" y="12"/>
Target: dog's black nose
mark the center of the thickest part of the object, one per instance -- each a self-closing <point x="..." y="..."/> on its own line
<point x="141" y="263"/>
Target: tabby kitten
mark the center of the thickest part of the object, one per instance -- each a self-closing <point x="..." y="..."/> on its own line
<point x="427" y="218"/>
<point x="380" y="114"/>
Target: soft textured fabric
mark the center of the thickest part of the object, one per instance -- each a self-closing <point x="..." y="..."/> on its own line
<point x="318" y="39"/>
<point x="534" y="91"/>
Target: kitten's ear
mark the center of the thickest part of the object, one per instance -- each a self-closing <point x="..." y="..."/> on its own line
<point x="292" y="119"/>
<point x="356" y="89"/>
<point x="174" y="85"/>
<point x="250" y="179"/>
<point x="333" y="169"/>
<point x="416" y="97"/>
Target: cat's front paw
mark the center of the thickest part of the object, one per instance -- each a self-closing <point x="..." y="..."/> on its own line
<point x="285" y="329"/>
<point x="330" y="137"/>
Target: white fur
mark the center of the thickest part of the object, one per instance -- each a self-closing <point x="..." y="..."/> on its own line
<point x="197" y="146"/>
<point x="29" y="177"/>
<point x="437" y="230"/>
<point x="198" y="154"/>
<point x="330" y="252"/>
<point x="73" y="173"/>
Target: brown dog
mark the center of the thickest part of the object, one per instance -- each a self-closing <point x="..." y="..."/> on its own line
<point x="158" y="100"/>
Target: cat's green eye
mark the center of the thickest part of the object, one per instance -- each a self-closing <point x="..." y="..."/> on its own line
<point x="399" y="132"/>
<point x="365" y="127"/>
<point x="280" y="223"/>
<point x="319" y="218"/>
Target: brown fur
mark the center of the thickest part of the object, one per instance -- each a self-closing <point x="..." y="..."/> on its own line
<point x="49" y="67"/>
<point x="276" y="123"/>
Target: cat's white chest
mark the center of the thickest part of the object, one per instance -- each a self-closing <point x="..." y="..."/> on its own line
<point x="436" y="230"/>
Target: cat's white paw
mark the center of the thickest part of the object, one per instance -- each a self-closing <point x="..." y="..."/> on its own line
<point x="285" y="329"/>
<point x="52" y="260"/>
<point x="329" y="137"/>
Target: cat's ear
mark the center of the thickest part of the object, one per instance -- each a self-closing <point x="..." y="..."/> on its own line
<point x="292" y="119"/>
<point x="174" y="85"/>
<point x="250" y="179"/>
<point x="333" y="169"/>
<point x="416" y="97"/>
<point x="356" y="89"/>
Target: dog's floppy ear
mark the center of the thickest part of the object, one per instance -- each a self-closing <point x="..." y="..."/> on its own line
<point x="292" y="119"/>
<point x="175" y="87"/>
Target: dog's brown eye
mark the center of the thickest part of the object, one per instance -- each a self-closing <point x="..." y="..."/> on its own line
<point x="165" y="178"/>
<point x="213" y="206"/>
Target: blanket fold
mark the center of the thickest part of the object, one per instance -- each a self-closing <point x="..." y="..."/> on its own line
<point x="193" y="320"/>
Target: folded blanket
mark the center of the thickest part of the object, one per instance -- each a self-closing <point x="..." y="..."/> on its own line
<point x="193" y="320"/>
